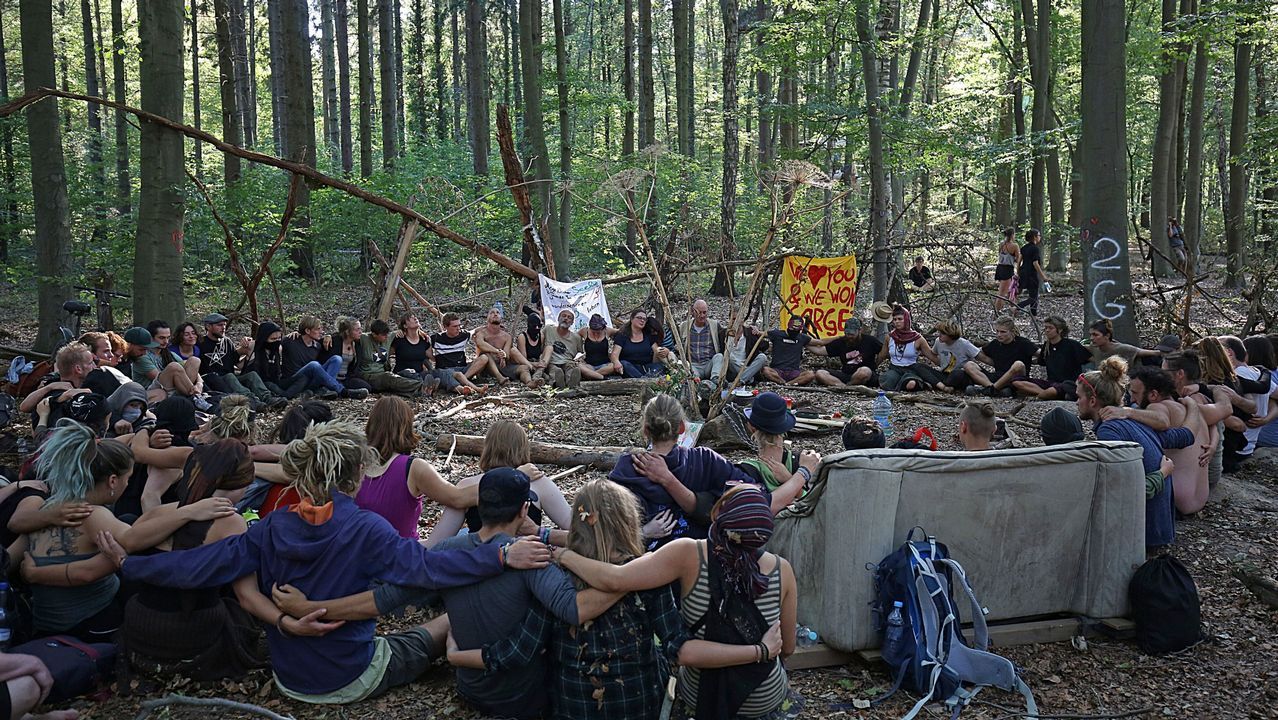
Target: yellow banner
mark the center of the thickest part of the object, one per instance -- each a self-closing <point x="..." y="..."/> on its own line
<point x="821" y="289"/>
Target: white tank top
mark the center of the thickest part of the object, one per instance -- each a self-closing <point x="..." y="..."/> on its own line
<point x="903" y="356"/>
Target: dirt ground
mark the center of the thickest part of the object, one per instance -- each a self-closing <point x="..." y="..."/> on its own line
<point x="1233" y="674"/>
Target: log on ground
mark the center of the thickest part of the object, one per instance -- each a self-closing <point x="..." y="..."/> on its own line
<point x="600" y="458"/>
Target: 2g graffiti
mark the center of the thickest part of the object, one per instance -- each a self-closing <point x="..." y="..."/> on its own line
<point x="1106" y="309"/>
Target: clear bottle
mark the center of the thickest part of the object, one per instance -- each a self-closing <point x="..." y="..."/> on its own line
<point x="806" y="636"/>
<point x="6" y="623"/>
<point x="894" y="633"/>
<point x="881" y="408"/>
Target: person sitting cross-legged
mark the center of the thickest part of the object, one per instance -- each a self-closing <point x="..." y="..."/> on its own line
<point x="953" y="351"/>
<point x="1008" y="353"/>
<point x="904" y="347"/>
<point x="411" y="349"/>
<point x="1064" y="358"/>
<point x="746" y="356"/>
<point x="596" y="364"/>
<point x="448" y="352"/>
<point x="703" y="339"/>
<point x="559" y="356"/>
<point x="491" y="609"/>
<point x="496" y="353"/>
<point x="222" y="363"/>
<point x="374" y="359"/>
<point x="787" y="354"/>
<point x="308" y="354"/>
<point x="162" y="380"/>
<point x="857" y="353"/>
<point x="921" y="276"/>
<point x="637" y="351"/>
<point x="327" y="547"/>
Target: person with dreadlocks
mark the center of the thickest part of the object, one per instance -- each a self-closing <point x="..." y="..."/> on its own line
<point x="617" y="650"/>
<point x="202" y="633"/>
<point x="731" y="590"/>
<point x="79" y="598"/>
<point x="328" y="548"/>
<point x="903" y="348"/>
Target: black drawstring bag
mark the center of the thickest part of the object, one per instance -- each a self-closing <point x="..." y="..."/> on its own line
<point x="1165" y="606"/>
<point x="733" y="619"/>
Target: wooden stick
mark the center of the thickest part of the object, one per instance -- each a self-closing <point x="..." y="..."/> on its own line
<point x="565" y="473"/>
<point x="306" y="171"/>
<point x="519" y="189"/>
<point x="234" y="254"/>
<point x="600" y="458"/>
<point x="149" y="706"/>
<point x="407" y="231"/>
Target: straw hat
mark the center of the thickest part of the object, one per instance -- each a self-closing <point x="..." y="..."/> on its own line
<point x="881" y="311"/>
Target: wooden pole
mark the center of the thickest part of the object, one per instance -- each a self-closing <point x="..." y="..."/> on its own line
<point x="599" y="458"/>
<point x="407" y="232"/>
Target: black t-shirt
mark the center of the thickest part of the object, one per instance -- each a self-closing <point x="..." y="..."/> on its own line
<point x="1030" y="254"/>
<point x="410" y="356"/>
<point x="1002" y="355"/>
<point x="450" y="352"/>
<point x="297" y="353"/>
<point x="853" y="356"/>
<point x="787" y="352"/>
<point x="218" y="357"/>
<point x="9" y="507"/>
<point x="1065" y="360"/>
<point x="920" y="276"/>
<point x="102" y="382"/>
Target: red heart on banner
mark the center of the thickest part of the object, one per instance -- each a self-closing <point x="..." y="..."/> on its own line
<point x="816" y="272"/>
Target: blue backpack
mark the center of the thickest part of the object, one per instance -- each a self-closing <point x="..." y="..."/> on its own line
<point x="932" y="659"/>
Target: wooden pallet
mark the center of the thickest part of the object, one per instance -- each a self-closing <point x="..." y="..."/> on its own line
<point x="1004" y="635"/>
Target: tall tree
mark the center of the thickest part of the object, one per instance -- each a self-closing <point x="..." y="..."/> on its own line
<point x="684" y="110"/>
<point x="123" y="185"/>
<point x="880" y="188"/>
<point x="417" y="61"/>
<point x="365" y="51"/>
<point x="562" y="261"/>
<point x="276" y="62"/>
<point x="763" y="85"/>
<point x="386" y="63"/>
<point x="9" y="209"/>
<point x="458" y="90"/>
<point x="397" y="9"/>
<point x="534" y="123"/>
<point x="628" y="113"/>
<point x="1236" y="214"/>
<point x="1192" y="224"/>
<point x="232" y="116"/>
<point x="477" y="87"/>
<point x="1161" y="201"/>
<point x="328" y="71"/>
<point x="249" y="79"/>
<point x="298" y="127"/>
<point x="342" y="24"/>
<point x="647" y="90"/>
<point x="94" y="145"/>
<point x="729" y="10"/>
<point x="195" y="83"/>
<point x="437" y="50"/>
<point x="158" y="287"/>
<point x="244" y="72"/>
<point x="1103" y="148"/>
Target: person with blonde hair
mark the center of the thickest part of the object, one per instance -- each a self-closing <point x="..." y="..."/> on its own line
<point x="327" y="547"/>
<point x="617" y="650"/>
<point x="783" y="473"/>
<point x="729" y="574"/>
<point x="1008" y="353"/>
<point x="953" y="352"/>
<point x="308" y="356"/>
<point x="1104" y="388"/>
<point x="394" y="486"/>
<point x="505" y="445"/>
<point x="976" y="426"/>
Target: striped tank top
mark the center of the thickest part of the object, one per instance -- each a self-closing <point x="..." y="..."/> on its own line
<point x="772" y="691"/>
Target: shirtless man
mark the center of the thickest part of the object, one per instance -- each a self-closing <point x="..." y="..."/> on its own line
<point x="1153" y="393"/>
<point x="495" y="353"/>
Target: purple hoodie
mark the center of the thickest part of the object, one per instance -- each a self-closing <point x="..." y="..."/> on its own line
<point x="338" y="558"/>
<point x="702" y="470"/>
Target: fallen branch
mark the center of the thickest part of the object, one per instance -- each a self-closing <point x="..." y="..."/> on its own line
<point x="471" y="404"/>
<point x="149" y="706"/>
<point x="600" y="458"/>
<point x="1265" y="588"/>
<point x="306" y="171"/>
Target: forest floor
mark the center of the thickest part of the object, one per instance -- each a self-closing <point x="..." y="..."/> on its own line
<point x="1233" y="674"/>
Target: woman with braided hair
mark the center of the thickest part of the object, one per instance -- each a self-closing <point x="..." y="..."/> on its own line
<point x="328" y="548"/>
<point x="727" y="582"/>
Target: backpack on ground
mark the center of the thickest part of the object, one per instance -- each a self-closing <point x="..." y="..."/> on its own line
<point x="931" y="658"/>
<point x="1165" y="606"/>
<point x="76" y="667"/>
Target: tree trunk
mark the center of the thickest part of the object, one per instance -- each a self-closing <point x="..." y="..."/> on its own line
<point x="158" y="287"/>
<point x="386" y="65"/>
<point x="684" y="110"/>
<point x="1236" y="218"/>
<point x="298" y="127"/>
<point x="441" y="93"/>
<point x="880" y="191"/>
<point x="232" y="116"/>
<point x="723" y="285"/>
<point x="123" y="185"/>
<point x="1192" y="224"/>
<point x="248" y="80"/>
<point x="365" y="51"/>
<point x="9" y="210"/>
<point x="1164" y="149"/>
<point x="477" y="88"/>
<point x="328" y="71"/>
<point x="342" y="31"/>
<point x="243" y="74"/>
<point x="195" y="85"/>
<point x="631" y="250"/>
<point x="1003" y="216"/>
<point x="512" y="9"/>
<point x="534" y="123"/>
<point x="1038" y="30"/>
<point x="458" y="90"/>
<point x="763" y="87"/>
<point x="417" y="86"/>
<point x="276" y="52"/>
<point x="1020" y="186"/>
<point x="647" y="89"/>
<point x="48" y="176"/>
<point x="562" y="240"/>
<point x="1057" y="233"/>
<point x="1107" y="272"/>
<point x="399" y="76"/>
<point x="94" y="144"/>
<point x="1269" y="190"/>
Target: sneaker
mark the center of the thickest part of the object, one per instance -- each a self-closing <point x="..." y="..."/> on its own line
<point x="354" y="393"/>
<point x="326" y="394"/>
<point x="976" y="391"/>
<point x="277" y="403"/>
<point x="201" y="404"/>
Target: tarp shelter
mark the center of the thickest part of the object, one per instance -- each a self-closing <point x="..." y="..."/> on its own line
<point x="1040" y="531"/>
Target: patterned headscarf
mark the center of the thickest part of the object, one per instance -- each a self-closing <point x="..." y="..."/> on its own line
<point x="741" y="528"/>
<point x="905" y="334"/>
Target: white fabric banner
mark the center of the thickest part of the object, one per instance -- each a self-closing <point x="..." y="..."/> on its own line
<point x="584" y="298"/>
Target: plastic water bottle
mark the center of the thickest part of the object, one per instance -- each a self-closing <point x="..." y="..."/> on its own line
<point x="881" y="408"/>
<point x="894" y="634"/>
<point x="806" y="636"/>
<point x="6" y="624"/>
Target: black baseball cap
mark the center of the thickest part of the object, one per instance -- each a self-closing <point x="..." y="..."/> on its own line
<point x="505" y="488"/>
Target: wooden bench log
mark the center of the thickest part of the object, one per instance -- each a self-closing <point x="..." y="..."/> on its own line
<point x="599" y="458"/>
